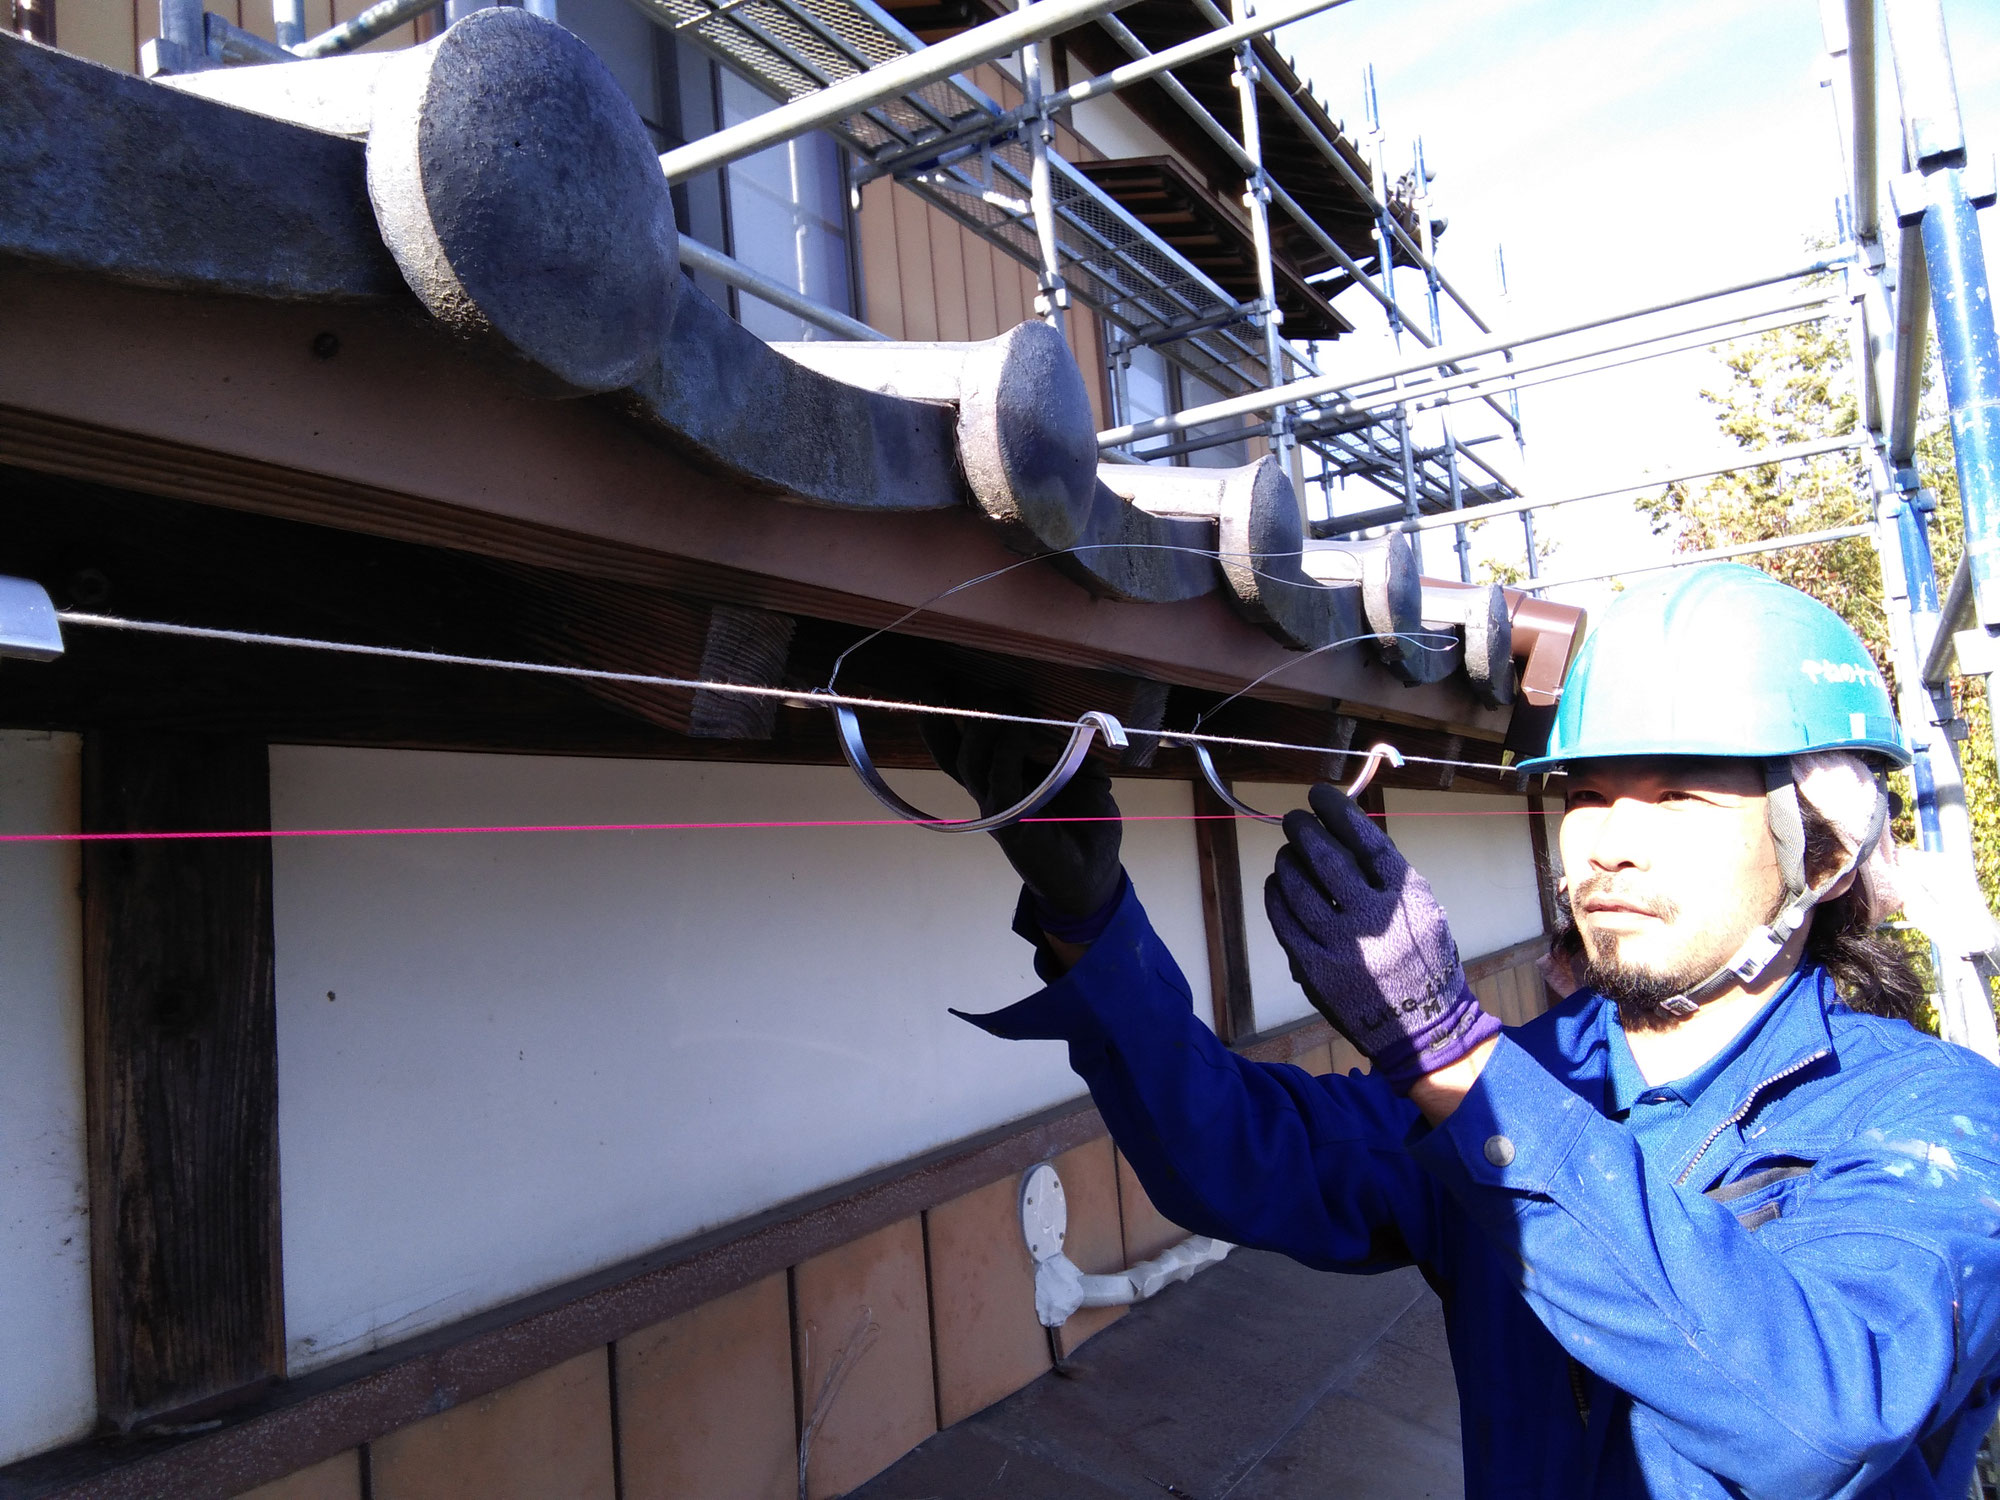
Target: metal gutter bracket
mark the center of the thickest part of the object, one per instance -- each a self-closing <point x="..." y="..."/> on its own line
<point x="1377" y="754"/>
<point x="1066" y="766"/>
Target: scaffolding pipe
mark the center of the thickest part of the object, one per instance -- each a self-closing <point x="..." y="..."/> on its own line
<point x="1864" y="185"/>
<point x="1731" y="465"/>
<point x="1215" y="131"/>
<point x="377" y="20"/>
<point x="1718" y="554"/>
<point x="1954" y="261"/>
<point x="1913" y="307"/>
<point x="1257" y="203"/>
<point x="731" y="272"/>
<point x="887" y="80"/>
<point x="1554" y="370"/>
<point x="1970" y="354"/>
<point x="1328" y="385"/>
<point x="1051" y="297"/>
<point x="1677" y="341"/>
<point x="994" y="39"/>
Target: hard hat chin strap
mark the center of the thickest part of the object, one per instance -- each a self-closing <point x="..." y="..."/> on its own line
<point x="1788" y="840"/>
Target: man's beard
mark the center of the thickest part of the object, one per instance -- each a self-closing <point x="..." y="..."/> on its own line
<point x="1641" y="995"/>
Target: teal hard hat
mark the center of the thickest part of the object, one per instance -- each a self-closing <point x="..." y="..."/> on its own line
<point x="1721" y="660"/>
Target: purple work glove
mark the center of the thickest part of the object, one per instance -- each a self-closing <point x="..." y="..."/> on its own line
<point x="1369" y="944"/>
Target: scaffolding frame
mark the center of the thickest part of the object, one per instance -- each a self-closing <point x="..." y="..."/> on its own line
<point x="908" y="111"/>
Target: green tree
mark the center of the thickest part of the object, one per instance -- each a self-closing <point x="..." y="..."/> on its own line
<point x="1790" y="386"/>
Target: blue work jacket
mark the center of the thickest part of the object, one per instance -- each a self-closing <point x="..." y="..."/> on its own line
<point x="1805" y="1302"/>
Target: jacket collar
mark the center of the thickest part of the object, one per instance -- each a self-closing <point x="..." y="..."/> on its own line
<point x="1791" y="1038"/>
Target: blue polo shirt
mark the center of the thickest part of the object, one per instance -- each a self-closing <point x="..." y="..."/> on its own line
<point x="1651" y="1111"/>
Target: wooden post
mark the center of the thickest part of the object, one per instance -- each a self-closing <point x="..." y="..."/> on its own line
<point x="1222" y="916"/>
<point x="1545" y="869"/>
<point x="181" y="1066"/>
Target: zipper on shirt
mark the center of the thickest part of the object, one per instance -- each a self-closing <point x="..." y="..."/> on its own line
<point x="1743" y="1110"/>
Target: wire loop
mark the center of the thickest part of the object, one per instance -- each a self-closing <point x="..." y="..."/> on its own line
<point x="1067" y="764"/>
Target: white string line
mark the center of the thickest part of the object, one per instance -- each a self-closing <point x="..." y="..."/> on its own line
<point x="809" y="698"/>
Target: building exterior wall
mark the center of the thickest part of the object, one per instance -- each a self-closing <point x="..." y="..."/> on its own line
<point x="1473" y="849"/>
<point x="48" y="1391"/>
<point x="508" y="1060"/>
<point x="934" y="1313"/>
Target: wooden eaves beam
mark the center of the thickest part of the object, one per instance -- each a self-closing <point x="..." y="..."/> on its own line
<point x="363" y="419"/>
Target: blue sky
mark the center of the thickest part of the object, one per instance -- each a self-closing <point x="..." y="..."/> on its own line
<point x="1618" y="149"/>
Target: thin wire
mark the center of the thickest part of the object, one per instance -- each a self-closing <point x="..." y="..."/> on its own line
<point x="810" y="698"/>
<point x="178" y="836"/>
<point x="1400" y="635"/>
<point x="1211" y="554"/>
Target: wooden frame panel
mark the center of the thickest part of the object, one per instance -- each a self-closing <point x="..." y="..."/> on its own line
<point x="180" y="1030"/>
<point x="1221" y="865"/>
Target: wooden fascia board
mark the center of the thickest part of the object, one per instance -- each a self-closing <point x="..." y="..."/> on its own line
<point x="225" y="401"/>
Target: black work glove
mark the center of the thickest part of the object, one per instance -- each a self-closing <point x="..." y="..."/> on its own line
<point x="1369" y="943"/>
<point x="1071" y="868"/>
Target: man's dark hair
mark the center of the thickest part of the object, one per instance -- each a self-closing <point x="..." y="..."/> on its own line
<point x="1870" y="969"/>
<point x="1871" y="972"/>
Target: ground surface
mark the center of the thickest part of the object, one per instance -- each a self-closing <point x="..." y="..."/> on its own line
<point x="1258" y="1380"/>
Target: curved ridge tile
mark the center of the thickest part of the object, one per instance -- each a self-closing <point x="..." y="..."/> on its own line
<point x="1372" y="591"/>
<point x="1028" y="449"/>
<point x="1479" y="614"/>
<point x="518" y="190"/>
<point x="735" y="402"/>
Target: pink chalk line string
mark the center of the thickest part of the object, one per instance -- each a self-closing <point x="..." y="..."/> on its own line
<point x="764" y="824"/>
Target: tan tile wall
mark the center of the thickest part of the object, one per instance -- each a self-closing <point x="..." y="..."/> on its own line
<point x="861" y="1316"/>
<point x="338" y="1478"/>
<point x="1147" y="1230"/>
<point x="548" y="1436"/>
<point x="705" y="1401"/>
<point x="937" y="1310"/>
<point x="1096" y="1232"/>
<point x="988" y="1341"/>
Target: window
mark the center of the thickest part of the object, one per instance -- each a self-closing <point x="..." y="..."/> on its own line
<point x="787" y="211"/>
<point x="782" y="212"/>
<point x="1155" y="385"/>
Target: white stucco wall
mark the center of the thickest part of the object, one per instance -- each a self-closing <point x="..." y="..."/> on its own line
<point x="506" y="1060"/>
<point x="47" y="1384"/>
<point x="1274" y="997"/>
<point x="1475" y="852"/>
<point x="1110" y="125"/>
<point x="1473" y="849"/>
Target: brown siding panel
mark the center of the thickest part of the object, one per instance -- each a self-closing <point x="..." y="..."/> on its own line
<point x="865" y="1300"/>
<point x="881" y="270"/>
<point x="338" y="1478"/>
<point x="1096" y="1236"/>
<point x="948" y="249"/>
<point x="913" y="257"/>
<point x="705" y="1402"/>
<point x="989" y="1341"/>
<point x="105" y="31"/>
<point x="1147" y="1230"/>
<point x="547" y="1436"/>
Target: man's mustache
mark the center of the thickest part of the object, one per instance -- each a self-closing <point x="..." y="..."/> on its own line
<point x="1626" y="894"/>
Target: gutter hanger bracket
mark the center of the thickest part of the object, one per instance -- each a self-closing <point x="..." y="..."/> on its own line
<point x="1066" y="766"/>
<point x="1376" y="755"/>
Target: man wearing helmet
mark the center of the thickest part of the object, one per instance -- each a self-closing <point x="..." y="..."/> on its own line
<point x="1721" y="1223"/>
